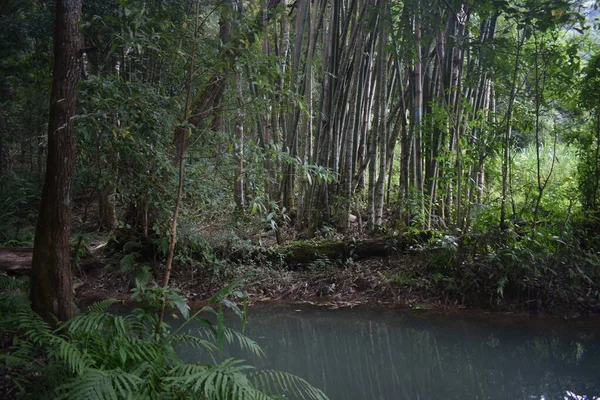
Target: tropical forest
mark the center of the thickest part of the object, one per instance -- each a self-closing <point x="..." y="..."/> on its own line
<point x="300" y="199"/>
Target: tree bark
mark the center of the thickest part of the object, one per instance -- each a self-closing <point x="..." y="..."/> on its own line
<point x="508" y="133"/>
<point x="418" y="111"/>
<point x="107" y="208"/>
<point x="238" y="185"/>
<point x="382" y="123"/>
<point x="51" y="287"/>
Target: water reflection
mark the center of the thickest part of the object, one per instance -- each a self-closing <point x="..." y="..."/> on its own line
<point x="376" y="354"/>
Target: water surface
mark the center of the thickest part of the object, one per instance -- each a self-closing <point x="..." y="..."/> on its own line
<point x="371" y="354"/>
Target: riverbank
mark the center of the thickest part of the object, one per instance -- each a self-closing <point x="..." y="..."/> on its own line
<point x="418" y="278"/>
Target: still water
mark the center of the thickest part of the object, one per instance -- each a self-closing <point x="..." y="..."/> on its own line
<point x="372" y="354"/>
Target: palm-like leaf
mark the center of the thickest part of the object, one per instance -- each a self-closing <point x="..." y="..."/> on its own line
<point x="103" y="356"/>
<point x="95" y="384"/>
<point x="221" y="382"/>
<point x="278" y="382"/>
<point x="231" y="336"/>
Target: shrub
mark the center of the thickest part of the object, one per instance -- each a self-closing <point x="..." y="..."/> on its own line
<point x="99" y="355"/>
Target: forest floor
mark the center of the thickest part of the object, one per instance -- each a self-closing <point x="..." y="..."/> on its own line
<point x="385" y="281"/>
<point x="390" y="273"/>
<point x="400" y="279"/>
<point x="365" y="281"/>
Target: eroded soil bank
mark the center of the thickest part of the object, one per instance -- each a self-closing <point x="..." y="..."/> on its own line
<point x="411" y="279"/>
<point x="405" y="271"/>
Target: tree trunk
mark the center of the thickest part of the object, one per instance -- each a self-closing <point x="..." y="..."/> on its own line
<point x="107" y="208"/>
<point x="508" y="134"/>
<point x="51" y="290"/>
<point x="382" y="123"/>
<point x="418" y="112"/>
<point x="238" y="186"/>
<point x="372" y="156"/>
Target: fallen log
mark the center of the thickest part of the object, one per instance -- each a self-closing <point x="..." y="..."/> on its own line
<point x="297" y="254"/>
<point x="15" y="260"/>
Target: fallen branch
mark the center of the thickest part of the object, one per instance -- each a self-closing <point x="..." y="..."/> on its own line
<point x="15" y="260"/>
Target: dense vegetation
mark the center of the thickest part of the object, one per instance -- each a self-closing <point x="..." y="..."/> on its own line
<point x="459" y="140"/>
<point x="100" y="355"/>
<point x="477" y="122"/>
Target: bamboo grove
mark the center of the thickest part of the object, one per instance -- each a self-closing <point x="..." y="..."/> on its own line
<point x="410" y="112"/>
<point x="363" y="86"/>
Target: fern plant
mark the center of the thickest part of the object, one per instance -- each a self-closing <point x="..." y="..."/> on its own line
<point x="99" y="355"/>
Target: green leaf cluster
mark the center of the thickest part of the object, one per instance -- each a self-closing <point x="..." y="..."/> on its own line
<point x="101" y="355"/>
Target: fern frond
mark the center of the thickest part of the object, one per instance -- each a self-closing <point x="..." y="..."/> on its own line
<point x="95" y="384"/>
<point x="8" y="283"/>
<point x="278" y="382"/>
<point x="120" y="325"/>
<point x="142" y="350"/>
<point x="131" y="245"/>
<point x="101" y="306"/>
<point x="140" y="325"/>
<point x="97" y="355"/>
<point x="220" y="382"/>
<point x="186" y="370"/>
<point x="128" y="261"/>
<point x="194" y="342"/>
<point x="68" y="353"/>
<point x="14" y="360"/>
<point x="13" y="294"/>
<point x="86" y="323"/>
<point x="243" y="341"/>
<point x="34" y="327"/>
<point x="232" y="336"/>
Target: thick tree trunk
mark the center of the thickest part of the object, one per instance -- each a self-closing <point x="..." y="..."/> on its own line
<point x="51" y="290"/>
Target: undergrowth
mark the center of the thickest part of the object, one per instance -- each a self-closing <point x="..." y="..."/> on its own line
<point x="536" y="271"/>
<point x="101" y="355"/>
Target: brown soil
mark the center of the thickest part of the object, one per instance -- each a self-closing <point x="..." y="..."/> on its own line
<point x="396" y="281"/>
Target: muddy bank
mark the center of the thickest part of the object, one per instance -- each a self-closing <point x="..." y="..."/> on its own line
<point x="393" y="271"/>
<point x="395" y="281"/>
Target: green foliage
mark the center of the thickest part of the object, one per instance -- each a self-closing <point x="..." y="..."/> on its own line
<point x="269" y="211"/>
<point x="139" y="273"/>
<point x="99" y="355"/>
<point x="13" y="297"/>
<point x="25" y="66"/>
<point x="18" y="197"/>
<point x="508" y="267"/>
<point x="560" y="164"/>
<point x="404" y="278"/>
<point x="443" y="252"/>
<point x="322" y="263"/>
<point x="541" y="15"/>
<point x="590" y="86"/>
<point x="122" y="142"/>
<point x="588" y="138"/>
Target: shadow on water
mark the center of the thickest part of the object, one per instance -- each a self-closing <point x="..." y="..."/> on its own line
<point x="371" y="354"/>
